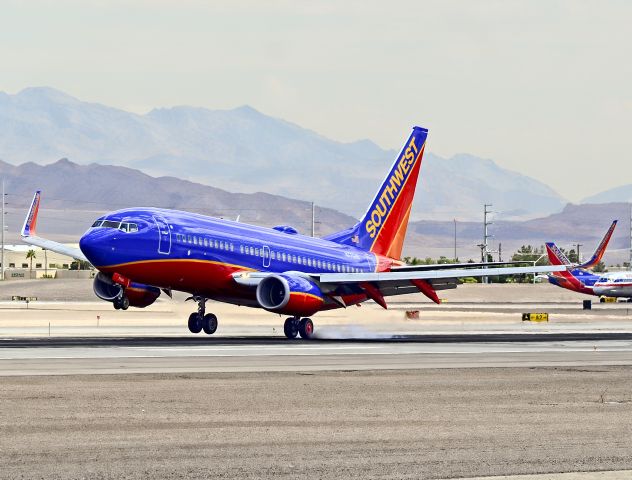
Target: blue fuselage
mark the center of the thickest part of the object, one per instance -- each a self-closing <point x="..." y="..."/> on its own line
<point x="197" y="254"/>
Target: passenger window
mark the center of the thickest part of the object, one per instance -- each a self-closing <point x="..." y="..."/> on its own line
<point x="194" y="240"/>
<point x="189" y="239"/>
<point x="231" y="247"/>
<point x="241" y="249"/>
<point x="216" y="243"/>
<point x="205" y="242"/>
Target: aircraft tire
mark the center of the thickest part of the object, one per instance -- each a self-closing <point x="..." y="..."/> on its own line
<point x="290" y="328"/>
<point x="124" y="303"/>
<point x="195" y="323"/>
<point x="116" y="304"/>
<point x="209" y="323"/>
<point x="306" y="328"/>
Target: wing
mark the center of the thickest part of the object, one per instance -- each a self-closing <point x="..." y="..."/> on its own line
<point x="399" y="282"/>
<point x="29" y="236"/>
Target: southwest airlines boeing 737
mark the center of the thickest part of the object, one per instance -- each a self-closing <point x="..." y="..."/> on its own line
<point x="141" y="252"/>
<point x="580" y="279"/>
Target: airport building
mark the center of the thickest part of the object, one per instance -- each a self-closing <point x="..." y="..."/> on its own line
<point x="45" y="263"/>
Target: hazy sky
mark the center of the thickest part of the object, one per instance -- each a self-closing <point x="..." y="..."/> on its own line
<point x="541" y="87"/>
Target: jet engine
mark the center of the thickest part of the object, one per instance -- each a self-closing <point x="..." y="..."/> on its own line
<point x="289" y="295"/>
<point x="112" y="288"/>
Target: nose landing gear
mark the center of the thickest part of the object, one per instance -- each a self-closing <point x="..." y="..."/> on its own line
<point x="121" y="302"/>
<point x="200" y="320"/>
<point x="294" y="326"/>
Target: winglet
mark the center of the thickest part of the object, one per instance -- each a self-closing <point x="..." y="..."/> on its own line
<point x="30" y="221"/>
<point x="598" y="255"/>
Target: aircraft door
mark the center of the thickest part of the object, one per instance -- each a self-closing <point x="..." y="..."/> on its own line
<point x="164" y="236"/>
<point x="266" y="256"/>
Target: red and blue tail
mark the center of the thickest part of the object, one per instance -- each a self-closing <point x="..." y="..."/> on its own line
<point x="601" y="248"/>
<point x="557" y="257"/>
<point x="383" y="227"/>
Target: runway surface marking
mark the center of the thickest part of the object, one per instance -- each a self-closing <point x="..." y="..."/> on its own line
<point x="78" y="352"/>
<point x="247" y="355"/>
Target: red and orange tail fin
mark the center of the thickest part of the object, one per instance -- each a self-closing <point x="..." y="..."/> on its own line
<point x="383" y="227"/>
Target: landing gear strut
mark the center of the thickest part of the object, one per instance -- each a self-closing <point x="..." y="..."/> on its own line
<point x="200" y="320"/>
<point x="294" y="326"/>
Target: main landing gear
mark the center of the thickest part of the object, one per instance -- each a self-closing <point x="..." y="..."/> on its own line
<point x="200" y="320"/>
<point x="294" y="326"/>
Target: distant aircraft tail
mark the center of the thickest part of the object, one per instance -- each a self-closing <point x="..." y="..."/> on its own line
<point x="601" y="248"/>
<point x="556" y="256"/>
<point x="383" y="227"/>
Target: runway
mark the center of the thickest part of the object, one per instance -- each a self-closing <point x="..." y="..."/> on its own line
<point x="465" y="392"/>
<point x="115" y="355"/>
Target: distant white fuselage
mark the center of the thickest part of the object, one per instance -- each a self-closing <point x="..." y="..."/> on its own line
<point x="614" y="285"/>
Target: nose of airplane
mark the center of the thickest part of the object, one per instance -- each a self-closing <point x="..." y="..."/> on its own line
<point x="96" y="244"/>
<point x="599" y="290"/>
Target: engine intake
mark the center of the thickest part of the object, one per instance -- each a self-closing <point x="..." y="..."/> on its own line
<point x="138" y="294"/>
<point x="105" y="288"/>
<point x="290" y="295"/>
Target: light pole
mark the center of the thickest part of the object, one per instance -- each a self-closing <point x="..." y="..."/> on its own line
<point x="455" y="257"/>
<point x="2" y="240"/>
<point x="2" y="269"/>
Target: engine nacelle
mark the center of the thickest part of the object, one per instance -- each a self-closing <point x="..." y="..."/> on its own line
<point x="289" y="295"/>
<point x="139" y="295"/>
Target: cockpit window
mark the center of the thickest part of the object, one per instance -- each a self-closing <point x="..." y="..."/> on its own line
<point x="123" y="226"/>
